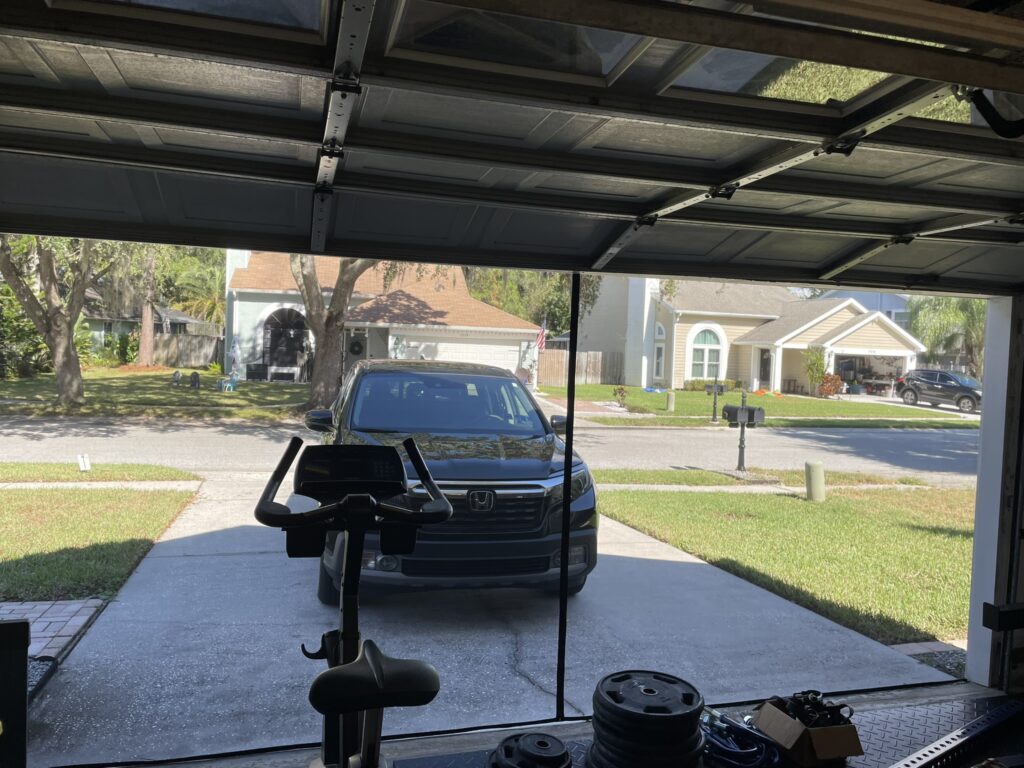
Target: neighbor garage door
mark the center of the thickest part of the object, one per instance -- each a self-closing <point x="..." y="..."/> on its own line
<point x="502" y="354"/>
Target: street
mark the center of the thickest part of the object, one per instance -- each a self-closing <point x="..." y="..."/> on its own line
<point x="939" y="456"/>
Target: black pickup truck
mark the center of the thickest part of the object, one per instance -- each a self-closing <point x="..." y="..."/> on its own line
<point x="495" y="456"/>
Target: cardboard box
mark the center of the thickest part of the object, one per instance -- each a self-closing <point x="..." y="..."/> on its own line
<point x="807" y="746"/>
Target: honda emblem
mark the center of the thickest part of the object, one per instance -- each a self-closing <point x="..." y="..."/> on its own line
<point x="481" y="501"/>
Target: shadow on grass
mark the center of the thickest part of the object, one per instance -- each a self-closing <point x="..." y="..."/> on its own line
<point x="941" y="530"/>
<point x="73" y="573"/>
<point x="884" y="629"/>
<point x="49" y="426"/>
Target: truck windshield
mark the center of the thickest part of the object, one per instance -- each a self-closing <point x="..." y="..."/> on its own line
<point x="411" y="402"/>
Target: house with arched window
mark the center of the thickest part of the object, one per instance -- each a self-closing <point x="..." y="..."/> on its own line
<point x="689" y="332"/>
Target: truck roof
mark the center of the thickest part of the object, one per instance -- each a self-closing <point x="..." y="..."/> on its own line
<point x="432" y="366"/>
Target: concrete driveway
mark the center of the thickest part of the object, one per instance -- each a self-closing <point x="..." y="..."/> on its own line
<point x="199" y="652"/>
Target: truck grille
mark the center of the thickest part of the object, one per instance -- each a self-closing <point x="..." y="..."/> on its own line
<point x="493" y="567"/>
<point x="510" y="514"/>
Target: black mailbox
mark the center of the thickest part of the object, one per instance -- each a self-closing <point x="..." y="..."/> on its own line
<point x="747" y="414"/>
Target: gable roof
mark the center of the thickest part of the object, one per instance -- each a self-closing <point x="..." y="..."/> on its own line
<point x="797" y="315"/>
<point x="855" y="323"/>
<point x="421" y="305"/>
<point x="416" y="296"/>
<point x="731" y="298"/>
<point x="272" y="272"/>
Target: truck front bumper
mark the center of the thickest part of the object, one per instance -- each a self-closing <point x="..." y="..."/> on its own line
<point x="440" y="563"/>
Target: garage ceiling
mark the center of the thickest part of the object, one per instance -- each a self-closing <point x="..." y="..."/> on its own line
<point x="587" y="134"/>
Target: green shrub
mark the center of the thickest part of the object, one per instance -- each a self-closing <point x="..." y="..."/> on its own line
<point x="619" y="393"/>
<point x="22" y="351"/>
<point x="815" y="366"/>
<point x="216" y="369"/>
<point x="127" y="346"/>
<point x="697" y="385"/>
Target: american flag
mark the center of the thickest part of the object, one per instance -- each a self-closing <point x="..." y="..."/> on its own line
<point x="542" y="336"/>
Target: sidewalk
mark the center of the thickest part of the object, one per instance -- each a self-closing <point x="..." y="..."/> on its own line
<point x="132" y="485"/>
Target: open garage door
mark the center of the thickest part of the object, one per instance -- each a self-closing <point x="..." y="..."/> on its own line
<point x="604" y="136"/>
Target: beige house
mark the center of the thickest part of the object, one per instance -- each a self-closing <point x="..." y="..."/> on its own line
<point x="753" y="334"/>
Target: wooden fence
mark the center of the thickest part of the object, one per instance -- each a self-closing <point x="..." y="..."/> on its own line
<point x="591" y="367"/>
<point x="181" y="350"/>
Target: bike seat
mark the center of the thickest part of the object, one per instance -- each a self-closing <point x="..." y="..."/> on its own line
<point x="373" y="681"/>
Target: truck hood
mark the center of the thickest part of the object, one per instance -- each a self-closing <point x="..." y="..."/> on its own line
<point x="467" y="456"/>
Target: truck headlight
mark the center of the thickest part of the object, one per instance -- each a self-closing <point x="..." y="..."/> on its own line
<point x="582" y="482"/>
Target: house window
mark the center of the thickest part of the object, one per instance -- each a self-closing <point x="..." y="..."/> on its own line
<point x="108" y="328"/>
<point x="659" y="351"/>
<point x="707" y="352"/>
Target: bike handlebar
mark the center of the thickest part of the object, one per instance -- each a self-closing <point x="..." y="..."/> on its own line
<point x="270" y="513"/>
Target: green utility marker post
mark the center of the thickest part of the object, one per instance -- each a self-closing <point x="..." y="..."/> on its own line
<point x="814" y="472"/>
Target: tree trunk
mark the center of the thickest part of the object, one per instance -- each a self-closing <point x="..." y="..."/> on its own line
<point x="66" y="366"/>
<point x="146" y="340"/>
<point x="327" y="367"/>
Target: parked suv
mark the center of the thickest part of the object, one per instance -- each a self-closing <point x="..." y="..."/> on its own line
<point x="495" y="456"/>
<point x="937" y="387"/>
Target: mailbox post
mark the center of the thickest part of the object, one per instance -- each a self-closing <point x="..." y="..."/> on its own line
<point x="743" y="416"/>
<point x="715" y="390"/>
<point x="741" y="464"/>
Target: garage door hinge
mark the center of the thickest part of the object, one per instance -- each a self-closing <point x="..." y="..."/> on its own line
<point x="725" y="191"/>
<point x="843" y="145"/>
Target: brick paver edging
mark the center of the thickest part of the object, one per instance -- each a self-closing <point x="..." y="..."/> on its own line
<point x="56" y="625"/>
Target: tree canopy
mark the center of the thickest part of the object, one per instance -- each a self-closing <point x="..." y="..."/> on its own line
<point x="950" y="325"/>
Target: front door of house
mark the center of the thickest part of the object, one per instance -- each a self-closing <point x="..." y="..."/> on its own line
<point x="765" y="372"/>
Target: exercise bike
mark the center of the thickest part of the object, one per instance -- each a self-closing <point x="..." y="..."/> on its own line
<point x="359" y="489"/>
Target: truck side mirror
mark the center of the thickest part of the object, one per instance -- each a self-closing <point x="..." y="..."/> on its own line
<point x="558" y="424"/>
<point x="319" y="420"/>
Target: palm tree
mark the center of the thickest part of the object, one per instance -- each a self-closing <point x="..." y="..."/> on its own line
<point x="202" y="293"/>
<point x="950" y="324"/>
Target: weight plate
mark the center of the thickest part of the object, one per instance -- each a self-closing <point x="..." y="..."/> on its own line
<point x="642" y="740"/>
<point x="653" y="697"/>
<point x="530" y="750"/>
<point x="600" y="756"/>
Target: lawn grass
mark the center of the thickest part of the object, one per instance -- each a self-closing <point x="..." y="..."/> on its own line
<point x="697" y="477"/>
<point x="795" y="478"/>
<point x="892" y="564"/>
<point x="45" y="472"/>
<point x="63" y="544"/>
<point x="698" y="404"/>
<point x="806" y="423"/>
<point x="147" y="392"/>
<point x="663" y="477"/>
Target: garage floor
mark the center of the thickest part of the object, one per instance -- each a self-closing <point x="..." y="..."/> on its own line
<point x="199" y="653"/>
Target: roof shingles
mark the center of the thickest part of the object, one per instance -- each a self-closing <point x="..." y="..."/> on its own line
<point x="797" y="315"/>
<point x="415" y="296"/>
